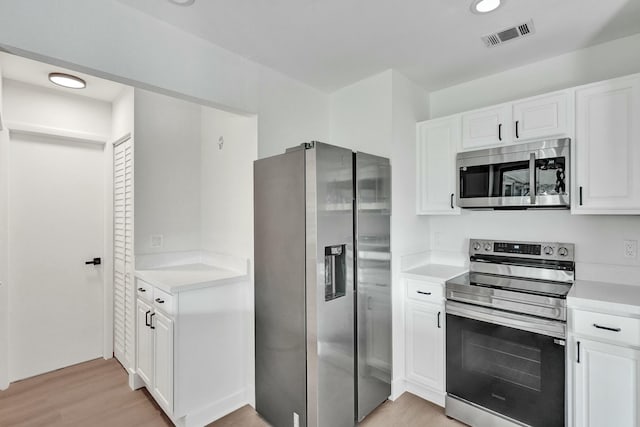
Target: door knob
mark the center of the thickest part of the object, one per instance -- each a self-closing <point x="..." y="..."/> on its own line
<point x="95" y="261"/>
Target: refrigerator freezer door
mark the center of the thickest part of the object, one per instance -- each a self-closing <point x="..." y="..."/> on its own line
<point x="330" y="357"/>
<point x="373" y="275"/>
<point x="279" y="228"/>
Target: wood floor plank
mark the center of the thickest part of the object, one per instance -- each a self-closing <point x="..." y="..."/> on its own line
<point x="96" y="394"/>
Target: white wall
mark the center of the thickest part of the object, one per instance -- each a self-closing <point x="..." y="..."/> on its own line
<point x="166" y="173"/>
<point x="227" y="182"/>
<point x="4" y="246"/>
<point x="612" y="59"/>
<point x="227" y="201"/>
<point x="360" y="116"/>
<point x="598" y="239"/>
<point x="410" y="104"/>
<point x="111" y="40"/>
<point x="56" y="110"/>
<point x="122" y="114"/>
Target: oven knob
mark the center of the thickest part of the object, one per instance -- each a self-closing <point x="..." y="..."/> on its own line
<point x="562" y="251"/>
<point x="548" y="250"/>
<point x="476" y="246"/>
<point x="487" y="247"/>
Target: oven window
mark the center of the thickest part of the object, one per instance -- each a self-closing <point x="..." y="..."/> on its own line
<point x="550" y="177"/>
<point x="513" y="372"/>
<point x="501" y="359"/>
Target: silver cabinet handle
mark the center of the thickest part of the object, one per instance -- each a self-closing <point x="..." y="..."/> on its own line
<point x="606" y="328"/>
<point x="142" y="290"/>
<point x="159" y="301"/>
<point x="423" y="293"/>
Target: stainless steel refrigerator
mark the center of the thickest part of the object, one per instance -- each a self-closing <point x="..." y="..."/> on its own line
<point x="322" y="286"/>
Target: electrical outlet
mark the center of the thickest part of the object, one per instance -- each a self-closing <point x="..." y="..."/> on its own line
<point x="630" y="248"/>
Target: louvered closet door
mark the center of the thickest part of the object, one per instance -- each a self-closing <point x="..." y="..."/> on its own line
<point x="124" y="307"/>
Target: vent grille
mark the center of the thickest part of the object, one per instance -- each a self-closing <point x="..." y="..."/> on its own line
<point x="509" y="34"/>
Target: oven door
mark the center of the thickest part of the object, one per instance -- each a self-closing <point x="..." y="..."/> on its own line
<point x="517" y="373"/>
<point x="518" y="176"/>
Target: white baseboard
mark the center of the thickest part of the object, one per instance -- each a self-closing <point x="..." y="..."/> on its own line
<point x="135" y="382"/>
<point x="397" y="388"/>
<point x="426" y="393"/>
<point x="214" y="411"/>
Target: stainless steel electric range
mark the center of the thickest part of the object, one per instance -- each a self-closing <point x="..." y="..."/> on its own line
<point x="506" y="330"/>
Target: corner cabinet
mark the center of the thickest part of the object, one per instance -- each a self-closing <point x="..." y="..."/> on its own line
<point x="607" y="150"/>
<point x="438" y="142"/>
<point x="424" y="340"/>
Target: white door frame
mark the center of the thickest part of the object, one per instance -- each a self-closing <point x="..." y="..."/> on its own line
<point x="107" y="256"/>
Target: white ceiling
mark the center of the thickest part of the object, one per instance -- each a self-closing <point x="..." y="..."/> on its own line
<point x="329" y="44"/>
<point x="36" y="73"/>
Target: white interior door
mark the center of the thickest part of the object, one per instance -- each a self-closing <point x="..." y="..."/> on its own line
<point x="56" y="223"/>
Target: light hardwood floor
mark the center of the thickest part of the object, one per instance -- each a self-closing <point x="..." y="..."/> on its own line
<point x="96" y="394"/>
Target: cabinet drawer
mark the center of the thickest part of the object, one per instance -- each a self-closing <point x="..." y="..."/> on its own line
<point x="144" y="290"/>
<point x="164" y="301"/>
<point x="424" y="291"/>
<point x="623" y="330"/>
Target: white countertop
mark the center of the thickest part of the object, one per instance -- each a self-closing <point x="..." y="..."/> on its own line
<point x="434" y="272"/>
<point x="602" y="296"/>
<point x="181" y="278"/>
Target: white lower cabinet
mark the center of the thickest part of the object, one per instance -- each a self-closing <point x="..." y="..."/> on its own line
<point x="606" y="375"/>
<point x="191" y="351"/>
<point x="163" y="358"/>
<point x="154" y="353"/>
<point x="607" y="385"/>
<point x="144" y="342"/>
<point x="424" y="343"/>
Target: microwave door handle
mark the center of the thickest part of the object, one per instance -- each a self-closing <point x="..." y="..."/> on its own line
<point x="532" y="178"/>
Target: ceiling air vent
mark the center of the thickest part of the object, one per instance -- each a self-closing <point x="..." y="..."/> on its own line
<point x="508" y="34"/>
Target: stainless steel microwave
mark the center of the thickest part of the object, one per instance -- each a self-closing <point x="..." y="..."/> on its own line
<point x="531" y="175"/>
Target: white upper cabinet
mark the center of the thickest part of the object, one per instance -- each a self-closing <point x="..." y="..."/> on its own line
<point x="607" y="147"/>
<point x="530" y="119"/>
<point x="438" y="142"/>
<point x="541" y="117"/>
<point x="486" y="127"/>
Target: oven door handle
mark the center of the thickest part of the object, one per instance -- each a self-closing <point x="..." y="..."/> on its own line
<point x="523" y="322"/>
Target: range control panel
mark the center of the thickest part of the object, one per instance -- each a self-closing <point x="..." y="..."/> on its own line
<point x="537" y="250"/>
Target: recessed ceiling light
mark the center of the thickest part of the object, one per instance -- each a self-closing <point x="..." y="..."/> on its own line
<point x="484" y="6"/>
<point x="182" y="2"/>
<point x="67" y="80"/>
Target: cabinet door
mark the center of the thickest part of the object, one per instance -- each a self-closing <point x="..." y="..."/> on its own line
<point x="487" y="127"/>
<point x="163" y="380"/>
<point x="541" y="117"/>
<point x="437" y="145"/>
<point x="607" y="385"/>
<point x="144" y="342"/>
<point x="607" y="148"/>
<point x="425" y="344"/>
